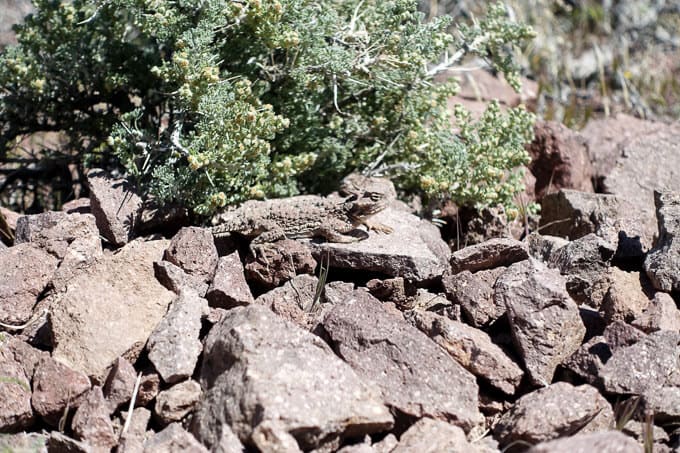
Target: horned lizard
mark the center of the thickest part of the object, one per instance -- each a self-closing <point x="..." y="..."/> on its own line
<point x="303" y="216"/>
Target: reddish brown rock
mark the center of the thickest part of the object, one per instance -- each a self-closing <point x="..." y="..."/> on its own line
<point x="149" y="387"/>
<point x="559" y="159"/>
<point x="293" y="300"/>
<point x="662" y="263"/>
<point x="173" y="439"/>
<point x="434" y="435"/>
<point x="193" y="249"/>
<point x="16" y="412"/>
<point x="601" y="442"/>
<point x="554" y="411"/>
<point x="661" y="314"/>
<point x="175" y="279"/>
<point x="627" y="296"/>
<point x="416" y="377"/>
<point x="56" y="386"/>
<point x="119" y="383"/>
<point x="53" y="231"/>
<point x="77" y="206"/>
<point x="25" y="272"/>
<point x="229" y="287"/>
<point x="173" y="404"/>
<point x="489" y="254"/>
<point x="474" y="293"/>
<point x="91" y="422"/>
<point x="285" y="259"/>
<point x="544" y="320"/>
<point x="115" y="205"/>
<point x="292" y="377"/>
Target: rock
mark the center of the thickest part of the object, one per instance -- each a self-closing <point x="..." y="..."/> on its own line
<point x="472" y="348"/>
<point x="474" y="293"/>
<point x="646" y="164"/>
<point x="77" y="206"/>
<point x="414" y="250"/>
<point x="293" y="300"/>
<point x="115" y="205"/>
<point x="25" y="272"/>
<point x="428" y="435"/>
<point x="56" y="386"/>
<point x="193" y="250"/>
<point x="663" y="261"/>
<point x="229" y="288"/>
<point x="273" y="436"/>
<point x="293" y="379"/>
<point x="416" y="377"/>
<point x="286" y="258"/>
<point x="488" y="254"/>
<point x="637" y="430"/>
<point x="542" y="246"/>
<point x="585" y="264"/>
<point x="664" y="403"/>
<point x="424" y="300"/>
<point x="24" y="354"/>
<point x="53" y="231"/>
<point x="166" y="218"/>
<point x="560" y="409"/>
<point x="59" y="442"/>
<point x="661" y="314"/>
<point x="119" y="383"/>
<point x="544" y="320"/>
<point x="117" y="295"/>
<point x="23" y="443"/>
<point x="148" y="389"/>
<point x="138" y="424"/>
<point x="573" y="215"/>
<point x="174" y="346"/>
<point x="646" y="364"/>
<point x="91" y="422"/>
<point x="606" y="136"/>
<point x="601" y="442"/>
<point x="395" y="290"/>
<point x="175" y="279"/>
<point x="16" y="412"/>
<point x="559" y="159"/>
<point x="82" y="253"/>
<point x="627" y="296"/>
<point x="174" y="439"/>
<point x="173" y="404"/>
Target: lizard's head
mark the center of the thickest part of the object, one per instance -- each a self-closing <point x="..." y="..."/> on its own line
<point x="364" y="205"/>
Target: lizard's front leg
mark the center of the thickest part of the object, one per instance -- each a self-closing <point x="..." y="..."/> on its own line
<point x="333" y="235"/>
<point x="262" y="242"/>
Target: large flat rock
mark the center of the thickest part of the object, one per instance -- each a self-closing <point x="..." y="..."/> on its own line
<point x="110" y="309"/>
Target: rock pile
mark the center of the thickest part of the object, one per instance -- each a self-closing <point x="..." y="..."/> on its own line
<point x="143" y="342"/>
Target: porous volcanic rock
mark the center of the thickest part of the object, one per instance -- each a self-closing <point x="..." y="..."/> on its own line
<point x="25" y="272"/>
<point x="55" y="386"/>
<point x="414" y="250"/>
<point x="115" y="205"/>
<point x="474" y="293"/>
<point x="294" y="384"/>
<point x="193" y="249"/>
<point x="627" y="296"/>
<point x="175" y="279"/>
<point x="53" y="231"/>
<point x="109" y="309"/>
<point x="119" y="383"/>
<point x="602" y="442"/>
<point x="663" y="262"/>
<point x="91" y="422"/>
<point x="285" y="259"/>
<point x="174" y="439"/>
<point x="16" y="412"/>
<point x="176" y="402"/>
<point x="229" y="287"/>
<point x="488" y="254"/>
<point x="544" y="320"/>
<point x="429" y="435"/>
<point x="560" y="409"/>
<point x="416" y="377"/>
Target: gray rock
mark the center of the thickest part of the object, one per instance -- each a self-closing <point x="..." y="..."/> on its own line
<point x="573" y="215"/>
<point x="544" y="320"/>
<point x="274" y="436"/>
<point x="55" y="386"/>
<point x="474" y="293"/>
<point x="636" y="368"/>
<point x="119" y="383"/>
<point x="285" y="259"/>
<point x="601" y="442"/>
<point x="229" y="287"/>
<point x="173" y="404"/>
<point x="489" y="254"/>
<point x="115" y="205"/>
<point x="627" y="296"/>
<point x="637" y="430"/>
<point x="661" y="314"/>
<point x="77" y="206"/>
<point x="109" y="309"/>
<point x="559" y="159"/>
<point x="664" y="403"/>
<point x="173" y="439"/>
<point x="174" y="346"/>
<point x="416" y="377"/>
<point x="472" y="348"/>
<point x="175" y="279"/>
<point x="395" y="290"/>
<point x="585" y="264"/>
<point x="560" y="409"/>
<point x="59" y="442"/>
<point x="139" y="423"/>
<point x="82" y="253"/>
<point x="91" y="422"/>
<point x="663" y="262"/>
<point x="193" y="250"/>
<point x="293" y="300"/>
<point x="53" y="231"/>
<point x="293" y="378"/>
<point x="414" y="250"/>
<point x="23" y="443"/>
<point x="25" y="272"/>
<point x="16" y="412"/>
<point x="428" y="435"/>
<point x="543" y="246"/>
<point x="646" y="163"/>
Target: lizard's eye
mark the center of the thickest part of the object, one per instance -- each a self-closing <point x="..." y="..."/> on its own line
<point x="353" y="197"/>
<point x="374" y="196"/>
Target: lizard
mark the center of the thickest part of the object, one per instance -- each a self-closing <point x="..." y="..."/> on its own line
<point x="305" y="216"/>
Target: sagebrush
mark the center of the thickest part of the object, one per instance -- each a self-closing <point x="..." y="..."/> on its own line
<point x="212" y="102"/>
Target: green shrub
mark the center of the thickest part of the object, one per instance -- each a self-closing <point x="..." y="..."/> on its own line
<point x="212" y="102"/>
